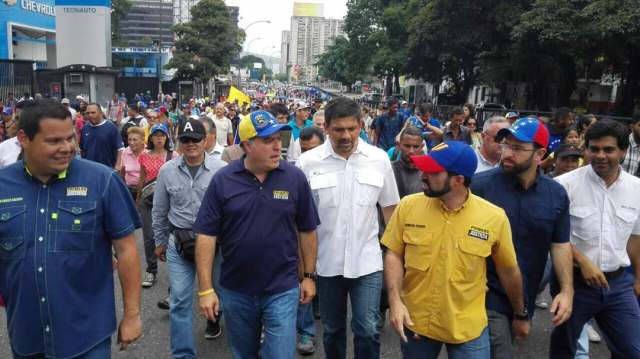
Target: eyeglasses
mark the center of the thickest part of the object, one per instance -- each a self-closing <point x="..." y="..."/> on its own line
<point x="186" y="140"/>
<point x="515" y="148"/>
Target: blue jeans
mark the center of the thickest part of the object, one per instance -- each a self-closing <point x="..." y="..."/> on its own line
<point x="582" y="345"/>
<point x="181" y="278"/>
<point x="245" y="315"/>
<point x="305" y="324"/>
<point x="100" y="351"/>
<point x="364" y="293"/>
<point x="616" y="311"/>
<point x="419" y="347"/>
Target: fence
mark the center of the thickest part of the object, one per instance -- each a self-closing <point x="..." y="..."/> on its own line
<point x="15" y="77"/>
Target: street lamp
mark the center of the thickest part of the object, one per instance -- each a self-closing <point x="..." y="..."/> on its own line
<point x="255" y="22"/>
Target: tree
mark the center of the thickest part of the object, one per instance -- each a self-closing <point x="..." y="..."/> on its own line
<point x="247" y="61"/>
<point x="206" y="44"/>
<point x="119" y="9"/>
<point x="334" y="63"/>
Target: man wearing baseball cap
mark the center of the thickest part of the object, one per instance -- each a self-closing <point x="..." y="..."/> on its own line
<point x="300" y="119"/>
<point x="435" y="266"/>
<point x="259" y="210"/>
<point x="568" y="157"/>
<point x="177" y="197"/>
<point x="538" y="211"/>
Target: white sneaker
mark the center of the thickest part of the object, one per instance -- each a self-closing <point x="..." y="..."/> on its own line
<point x="541" y="302"/>
<point x="149" y="280"/>
<point x="594" y="337"/>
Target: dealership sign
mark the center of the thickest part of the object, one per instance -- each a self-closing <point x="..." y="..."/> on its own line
<point x="38" y="7"/>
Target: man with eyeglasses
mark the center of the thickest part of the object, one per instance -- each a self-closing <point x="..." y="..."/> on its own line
<point x="538" y="211"/>
<point x="180" y="188"/>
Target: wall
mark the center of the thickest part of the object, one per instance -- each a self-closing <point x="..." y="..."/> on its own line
<point x="23" y="12"/>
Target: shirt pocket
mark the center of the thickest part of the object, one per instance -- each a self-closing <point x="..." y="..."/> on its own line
<point x="325" y="190"/>
<point x="418" y="249"/>
<point x="584" y="221"/>
<point x="177" y="196"/>
<point x="369" y="185"/>
<point x="73" y="226"/>
<point x="470" y="259"/>
<point x="12" y="228"/>
<point x="625" y="221"/>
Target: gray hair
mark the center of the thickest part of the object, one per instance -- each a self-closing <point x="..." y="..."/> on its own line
<point x="210" y="124"/>
<point x="318" y="114"/>
<point x="493" y="120"/>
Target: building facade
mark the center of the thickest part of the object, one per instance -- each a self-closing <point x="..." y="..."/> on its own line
<point x="28" y="31"/>
<point x="148" y="23"/>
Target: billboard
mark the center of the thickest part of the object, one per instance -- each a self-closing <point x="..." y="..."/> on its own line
<point x="307" y="9"/>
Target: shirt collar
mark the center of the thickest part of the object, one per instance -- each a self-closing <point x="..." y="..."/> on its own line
<point x="632" y="141"/>
<point x="183" y="164"/>
<point x="594" y="178"/>
<point x="98" y="125"/>
<point x="238" y="165"/>
<point x="59" y="177"/>
<point x="328" y="149"/>
<point x="444" y="208"/>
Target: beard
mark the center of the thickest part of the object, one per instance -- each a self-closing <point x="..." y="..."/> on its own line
<point x="429" y="192"/>
<point x="518" y="168"/>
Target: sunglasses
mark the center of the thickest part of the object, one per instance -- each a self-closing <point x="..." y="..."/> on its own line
<point x="189" y="140"/>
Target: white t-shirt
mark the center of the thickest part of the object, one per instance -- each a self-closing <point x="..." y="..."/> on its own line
<point x="223" y="129"/>
<point x="9" y="151"/>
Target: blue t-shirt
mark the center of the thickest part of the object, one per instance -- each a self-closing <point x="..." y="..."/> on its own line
<point x="56" y="275"/>
<point x="389" y="128"/>
<point x="256" y="226"/>
<point x="101" y="143"/>
<point x="295" y="130"/>
<point x="539" y="216"/>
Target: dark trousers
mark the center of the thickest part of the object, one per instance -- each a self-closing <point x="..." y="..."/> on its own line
<point x="149" y="242"/>
<point x="615" y="309"/>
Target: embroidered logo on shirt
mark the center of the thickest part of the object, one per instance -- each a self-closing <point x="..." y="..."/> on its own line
<point x="284" y="195"/>
<point x="76" y="191"/>
<point x="479" y="233"/>
<point x="411" y="225"/>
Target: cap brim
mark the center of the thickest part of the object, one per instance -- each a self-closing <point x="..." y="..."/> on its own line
<point x="427" y="164"/>
<point x="510" y="131"/>
<point x="195" y="136"/>
<point x="273" y="129"/>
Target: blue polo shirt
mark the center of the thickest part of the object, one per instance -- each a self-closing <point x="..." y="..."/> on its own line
<point x="100" y="143"/>
<point x="256" y="226"/>
<point x="56" y="275"/>
<point x="389" y="128"/>
<point x="295" y="130"/>
<point x="539" y="216"/>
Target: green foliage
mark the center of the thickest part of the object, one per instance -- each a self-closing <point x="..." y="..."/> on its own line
<point x="207" y="44"/>
<point x="247" y="61"/>
<point x="119" y="9"/>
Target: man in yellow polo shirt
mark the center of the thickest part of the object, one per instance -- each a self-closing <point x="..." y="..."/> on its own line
<point x="435" y="268"/>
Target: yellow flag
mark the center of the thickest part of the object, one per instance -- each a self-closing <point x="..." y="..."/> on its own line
<point x="235" y="94"/>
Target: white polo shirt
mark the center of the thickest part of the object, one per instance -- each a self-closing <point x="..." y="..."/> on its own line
<point x="602" y="219"/>
<point x="9" y="151"/>
<point x="346" y="193"/>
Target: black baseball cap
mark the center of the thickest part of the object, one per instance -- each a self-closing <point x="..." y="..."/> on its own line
<point x="566" y="150"/>
<point x="192" y="129"/>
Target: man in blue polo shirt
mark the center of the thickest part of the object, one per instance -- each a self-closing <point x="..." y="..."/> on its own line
<point x="259" y="209"/>
<point x="538" y="211"/>
<point x="100" y="141"/>
<point x="59" y="219"/>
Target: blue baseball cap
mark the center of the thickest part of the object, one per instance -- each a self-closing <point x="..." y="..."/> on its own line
<point x="450" y="156"/>
<point x="528" y="130"/>
<point x="159" y="127"/>
<point x="259" y="124"/>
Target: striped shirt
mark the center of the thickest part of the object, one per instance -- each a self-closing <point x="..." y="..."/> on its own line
<point x="632" y="159"/>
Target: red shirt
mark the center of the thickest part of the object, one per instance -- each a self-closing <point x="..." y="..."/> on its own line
<point x="152" y="163"/>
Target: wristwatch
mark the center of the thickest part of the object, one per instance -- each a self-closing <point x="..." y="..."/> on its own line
<point x="311" y="276"/>
<point x="524" y="315"/>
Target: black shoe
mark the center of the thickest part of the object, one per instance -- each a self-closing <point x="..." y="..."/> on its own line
<point x="164" y="304"/>
<point x="213" y="330"/>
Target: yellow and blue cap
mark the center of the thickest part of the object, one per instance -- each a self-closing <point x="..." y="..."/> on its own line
<point x="259" y="124"/>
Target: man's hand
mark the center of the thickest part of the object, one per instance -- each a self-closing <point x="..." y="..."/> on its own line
<point x="636" y="287"/>
<point x="520" y="328"/>
<point x="209" y="306"/>
<point x="161" y="252"/>
<point x="399" y="317"/>
<point x="129" y="331"/>
<point x="561" y="307"/>
<point x="307" y="290"/>
<point x="593" y="275"/>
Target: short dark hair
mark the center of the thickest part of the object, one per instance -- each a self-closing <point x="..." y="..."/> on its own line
<point x="604" y="128"/>
<point x="456" y="111"/>
<point x="33" y="111"/>
<point x="392" y="101"/>
<point x="151" y="146"/>
<point x="279" y="109"/>
<point x="410" y="131"/>
<point x="467" y="180"/>
<point x="635" y="118"/>
<point x="561" y="113"/>
<point x="426" y="108"/>
<point x="307" y="133"/>
<point x="341" y="107"/>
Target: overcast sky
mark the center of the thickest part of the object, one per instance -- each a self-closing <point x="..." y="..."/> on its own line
<point x="265" y="38"/>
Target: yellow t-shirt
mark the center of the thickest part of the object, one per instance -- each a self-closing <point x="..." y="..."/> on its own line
<point x="445" y="279"/>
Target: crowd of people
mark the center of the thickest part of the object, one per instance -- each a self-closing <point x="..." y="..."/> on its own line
<point x="286" y="210"/>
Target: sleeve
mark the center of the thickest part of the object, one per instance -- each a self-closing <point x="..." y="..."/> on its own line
<point x="119" y="211"/>
<point x="503" y="253"/>
<point x="160" y="211"/>
<point x="392" y="238"/>
<point x="209" y="219"/>
<point x="230" y="127"/>
<point x="389" y="194"/>
<point x="307" y="218"/>
<point x="562" y="227"/>
<point x="477" y="187"/>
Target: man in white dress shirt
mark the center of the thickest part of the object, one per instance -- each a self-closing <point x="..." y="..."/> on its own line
<point x="349" y="178"/>
<point x="605" y="233"/>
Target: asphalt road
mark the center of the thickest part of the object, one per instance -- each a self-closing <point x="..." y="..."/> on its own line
<point x="154" y="343"/>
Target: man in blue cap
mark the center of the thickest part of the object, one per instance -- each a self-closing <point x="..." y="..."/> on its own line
<point x="435" y="265"/>
<point x="259" y="210"/>
<point x="538" y="211"/>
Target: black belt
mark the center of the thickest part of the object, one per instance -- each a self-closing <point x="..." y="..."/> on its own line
<point x="609" y="275"/>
